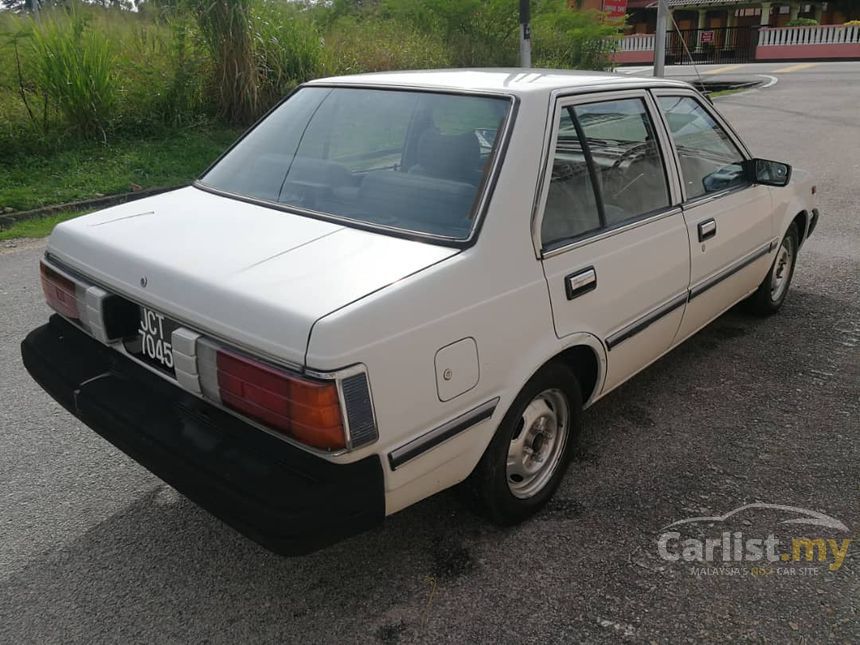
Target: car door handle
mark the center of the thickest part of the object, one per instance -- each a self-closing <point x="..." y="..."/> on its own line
<point x="707" y="229"/>
<point x="580" y="282"/>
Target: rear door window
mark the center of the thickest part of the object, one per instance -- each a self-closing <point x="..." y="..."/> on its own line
<point x="607" y="169"/>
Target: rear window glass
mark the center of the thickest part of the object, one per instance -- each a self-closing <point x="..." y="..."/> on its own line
<point x="412" y="161"/>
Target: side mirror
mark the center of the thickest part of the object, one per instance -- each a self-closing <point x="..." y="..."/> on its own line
<point x="768" y="173"/>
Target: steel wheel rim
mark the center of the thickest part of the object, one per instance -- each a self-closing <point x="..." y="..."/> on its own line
<point x="538" y="443"/>
<point x="781" y="271"/>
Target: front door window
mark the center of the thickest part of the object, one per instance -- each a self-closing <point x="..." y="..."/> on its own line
<point x="710" y="161"/>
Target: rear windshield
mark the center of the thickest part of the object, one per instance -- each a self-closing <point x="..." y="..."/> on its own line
<point x="406" y="160"/>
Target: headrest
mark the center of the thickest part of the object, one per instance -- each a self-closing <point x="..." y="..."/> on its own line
<point x="449" y="156"/>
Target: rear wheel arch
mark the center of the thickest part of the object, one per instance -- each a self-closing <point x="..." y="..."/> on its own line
<point x="586" y="364"/>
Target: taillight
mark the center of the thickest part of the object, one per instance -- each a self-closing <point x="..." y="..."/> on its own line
<point x="304" y="409"/>
<point x="60" y="292"/>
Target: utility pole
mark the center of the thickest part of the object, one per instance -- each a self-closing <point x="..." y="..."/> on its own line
<point x="660" y="38"/>
<point x="525" y="35"/>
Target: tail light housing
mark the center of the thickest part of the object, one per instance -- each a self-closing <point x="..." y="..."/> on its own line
<point x="105" y="316"/>
<point x="62" y="293"/>
<point x="308" y="410"/>
<point x="330" y="412"/>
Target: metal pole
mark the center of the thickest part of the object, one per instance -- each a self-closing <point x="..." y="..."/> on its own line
<point x="525" y="35"/>
<point x="660" y="38"/>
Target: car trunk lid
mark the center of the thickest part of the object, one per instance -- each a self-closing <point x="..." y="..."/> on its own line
<point x="254" y="276"/>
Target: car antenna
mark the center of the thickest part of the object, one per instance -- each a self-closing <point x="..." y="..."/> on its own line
<point x="687" y="49"/>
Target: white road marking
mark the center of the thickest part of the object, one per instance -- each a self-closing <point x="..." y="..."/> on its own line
<point x="771" y="81"/>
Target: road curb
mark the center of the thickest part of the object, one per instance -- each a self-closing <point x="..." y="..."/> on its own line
<point x="8" y="219"/>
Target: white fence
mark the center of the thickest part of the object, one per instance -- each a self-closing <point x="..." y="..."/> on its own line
<point x="637" y="43"/>
<point x="818" y="35"/>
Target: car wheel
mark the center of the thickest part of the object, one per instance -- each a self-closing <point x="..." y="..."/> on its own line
<point x="531" y="449"/>
<point x="771" y="293"/>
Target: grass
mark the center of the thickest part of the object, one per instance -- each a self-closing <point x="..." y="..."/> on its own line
<point x="84" y="170"/>
<point x="716" y="95"/>
<point x="38" y="227"/>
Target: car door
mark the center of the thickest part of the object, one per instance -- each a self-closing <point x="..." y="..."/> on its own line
<point x="611" y="236"/>
<point x="728" y="219"/>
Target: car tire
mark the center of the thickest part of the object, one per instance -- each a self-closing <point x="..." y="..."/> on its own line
<point x="532" y="447"/>
<point x="771" y="293"/>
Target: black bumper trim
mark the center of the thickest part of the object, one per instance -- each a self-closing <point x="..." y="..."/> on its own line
<point x="284" y="498"/>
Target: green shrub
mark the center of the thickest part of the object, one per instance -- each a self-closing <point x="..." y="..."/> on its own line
<point x="802" y="22"/>
<point x="86" y="69"/>
<point x="573" y="39"/>
<point x="75" y="70"/>
<point x="474" y="32"/>
<point x="353" y="46"/>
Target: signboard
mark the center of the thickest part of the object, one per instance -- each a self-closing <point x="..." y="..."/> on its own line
<point x="615" y="8"/>
<point x="707" y="37"/>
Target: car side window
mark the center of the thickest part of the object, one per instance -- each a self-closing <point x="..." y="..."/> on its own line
<point x="607" y="169"/>
<point x="626" y="156"/>
<point x="571" y="204"/>
<point x="709" y="159"/>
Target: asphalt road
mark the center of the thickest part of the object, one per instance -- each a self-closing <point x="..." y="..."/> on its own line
<point x="95" y="549"/>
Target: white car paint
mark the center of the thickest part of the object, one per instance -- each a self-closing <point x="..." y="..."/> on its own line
<point x="262" y="285"/>
<point x="324" y="296"/>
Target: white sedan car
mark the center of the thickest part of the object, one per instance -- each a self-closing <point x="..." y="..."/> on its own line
<point x="395" y="283"/>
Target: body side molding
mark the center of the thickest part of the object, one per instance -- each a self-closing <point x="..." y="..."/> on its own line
<point x="455" y="426"/>
<point x="646" y="321"/>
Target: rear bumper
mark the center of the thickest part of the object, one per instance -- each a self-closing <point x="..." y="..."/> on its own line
<point x="280" y="496"/>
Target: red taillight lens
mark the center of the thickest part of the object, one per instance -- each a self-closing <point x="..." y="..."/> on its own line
<point x="60" y="292"/>
<point x="308" y="411"/>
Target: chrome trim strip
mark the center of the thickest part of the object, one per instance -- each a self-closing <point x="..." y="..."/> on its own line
<point x="646" y="321"/>
<point x="729" y="271"/>
<point x="609" y="232"/>
<point x="440" y="434"/>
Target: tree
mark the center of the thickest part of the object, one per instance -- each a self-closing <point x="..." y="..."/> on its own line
<point x="18" y="5"/>
<point x="849" y="8"/>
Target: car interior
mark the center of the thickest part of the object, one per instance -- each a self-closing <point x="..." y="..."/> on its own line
<point x="629" y="172"/>
<point x="428" y="183"/>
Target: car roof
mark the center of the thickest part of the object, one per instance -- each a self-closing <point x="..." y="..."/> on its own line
<point x="516" y="81"/>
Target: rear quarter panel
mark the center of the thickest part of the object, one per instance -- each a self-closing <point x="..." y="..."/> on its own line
<point x="494" y="292"/>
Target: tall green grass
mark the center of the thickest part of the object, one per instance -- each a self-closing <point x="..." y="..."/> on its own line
<point x="288" y="48"/>
<point x="226" y="28"/>
<point x="86" y="71"/>
<point x="75" y="70"/>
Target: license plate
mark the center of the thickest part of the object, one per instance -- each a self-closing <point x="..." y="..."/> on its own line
<point x="153" y="343"/>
